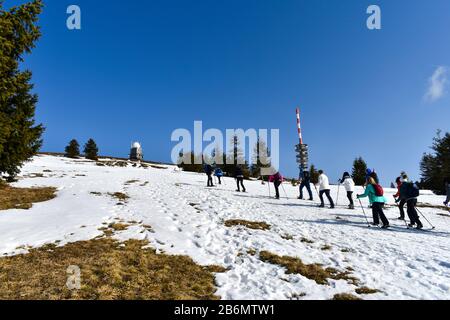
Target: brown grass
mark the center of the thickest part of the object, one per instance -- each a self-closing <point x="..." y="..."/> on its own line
<point x="345" y="296"/>
<point x="287" y="237"/>
<point x="305" y="240"/>
<point x="326" y="247"/>
<point x="109" y="271"/>
<point x="248" y="224"/>
<point x="311" y="271"/>
<point x="23" y="198"/>
<point x="119" y="196"/>
<point x="366" y="290"/>
<point x="117" y="226"/>
<point x="131" y="182"/>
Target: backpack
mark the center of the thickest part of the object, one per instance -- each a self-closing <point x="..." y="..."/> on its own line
<point x="412" y="190"/>
<point x="379" y="192"/>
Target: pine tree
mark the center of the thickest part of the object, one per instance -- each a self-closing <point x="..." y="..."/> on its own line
<point x="359" y="171"/>
<point x="314" y="174"/>
<point x="436" y="167"/>
<point x="73" y="149"/>
<point x="261" y="155"/>
<point x="20" y="137"/>
<point x="91" y="150"/>
<point x="236" y="158"/>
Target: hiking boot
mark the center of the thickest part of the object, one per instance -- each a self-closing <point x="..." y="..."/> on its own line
<point x="411" y="225"/>
<point x="331" y="207"/>
<point x="401" y="218"/>
<point x="300" y="198"/>
<point x="385" y="226"/>
<point x="351" y="207"/>
<point x="238" y="190"/>
<point x="311" y="199"/>
<point x="322" y="206"/>
<point x="419" y="225"/>
<point x="375" y="224"/>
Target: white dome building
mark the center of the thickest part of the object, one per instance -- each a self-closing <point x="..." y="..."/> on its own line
<point x="136" y="153"/>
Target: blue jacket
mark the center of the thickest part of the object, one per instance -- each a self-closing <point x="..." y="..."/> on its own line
<point x="218" y="172"/>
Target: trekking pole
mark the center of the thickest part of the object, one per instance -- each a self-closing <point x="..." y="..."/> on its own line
<point x="316" y="190"/>
<point x="404" y="220"/>
<point x="432" y="227"/>
<point x="285" y="193"/>
<point x="364" y="211"/>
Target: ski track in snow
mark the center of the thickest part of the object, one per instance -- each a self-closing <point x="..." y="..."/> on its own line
<point x="188" y="218"/>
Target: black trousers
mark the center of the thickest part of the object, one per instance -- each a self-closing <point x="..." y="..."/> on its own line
<point x="277" y="187"/>
<point x="401" y="207"/>
<point x="412" y="212"/>
<point x="210" y="181"/>
<point x="308" y="187"/>
<point x="377" y="212"/>
<point x="350" y="197"/>
<point x="327" y="193"/>
<point x="220" y="179"/>
<point x="240" y="182"/>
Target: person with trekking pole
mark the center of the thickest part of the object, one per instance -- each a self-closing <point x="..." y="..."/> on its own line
<point x="447" y="189"/>
<point x="305" y="182"/>
<point x="410" y="191"/>
<point x="277" y="180"/>
<point x="239" y="176"/>
<point x="349" y="186"/>
<point x="400" y="202"/>
<point x="324" y="188"/>
<point x="219" y="174"/>
<point x="376" y="197"/>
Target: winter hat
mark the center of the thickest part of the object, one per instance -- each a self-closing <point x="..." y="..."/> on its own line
<point x="346" y="175"/>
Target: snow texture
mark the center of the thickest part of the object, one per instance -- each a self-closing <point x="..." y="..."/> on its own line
<point x="188" y="218"/>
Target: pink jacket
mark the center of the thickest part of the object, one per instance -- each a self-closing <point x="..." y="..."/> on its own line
<point x="276" y="177"/>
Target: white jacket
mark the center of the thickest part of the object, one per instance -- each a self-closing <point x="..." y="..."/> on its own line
<point x="349" y="184"/>
<point x="324" y="183"/>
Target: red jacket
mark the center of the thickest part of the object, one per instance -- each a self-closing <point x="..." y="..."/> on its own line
<point x="399" y="185"/>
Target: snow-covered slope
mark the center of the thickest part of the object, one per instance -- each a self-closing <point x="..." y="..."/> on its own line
<point x="187" y="218"/>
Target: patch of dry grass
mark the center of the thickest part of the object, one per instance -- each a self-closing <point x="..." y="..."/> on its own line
<point x="305" y="240"/>
<point x="109" y="271"/>
<point x="314" y="272"/>
<point x="119" y="196"/>
<point x="23" y="198"/>
<point x="345" y="296"/>
<point x="366" y="290"/>
<point x="287" y="237"/>
<point x="248" y="224"/>
<point x="131" y="182"/>
<point x="326" y="247"/>
<point x="117" y="226"/>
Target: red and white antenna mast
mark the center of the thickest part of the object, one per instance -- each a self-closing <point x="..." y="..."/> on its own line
<point x="299" y="127"/>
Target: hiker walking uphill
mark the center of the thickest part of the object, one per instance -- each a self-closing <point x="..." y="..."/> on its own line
<point x="277" y="180"/>
<point x="324" y="188"/>
<point x="447" y="189"/>
<point x="349" y="186"/>
<point x="376" y="198"/>
<point x="305" y="181"/>
<point x="401" y="202"/>
<point x="410" y="192"/>
<point x="219" y="174"/>
<point x="239" y="176"/>
<point x="209" y="171"/>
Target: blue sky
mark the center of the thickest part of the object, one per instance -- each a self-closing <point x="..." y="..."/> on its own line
<point x="140" y="69"/>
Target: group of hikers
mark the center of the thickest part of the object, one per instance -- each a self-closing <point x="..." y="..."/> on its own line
<point x="407" y="192"/>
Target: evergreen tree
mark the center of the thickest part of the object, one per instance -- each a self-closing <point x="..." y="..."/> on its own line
<point x="261" y="155"/>
<point x="359" y="171"/>
<point x="91" y="150"/>
<point x="314" y="174"/>
<point x="73" y="149"/>
<point x="435" y="167"/>
<point x="236" y="157"/>
<point x="20" y="137"/>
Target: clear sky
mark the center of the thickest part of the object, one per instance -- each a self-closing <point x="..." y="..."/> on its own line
<point x="140" y="69"/>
